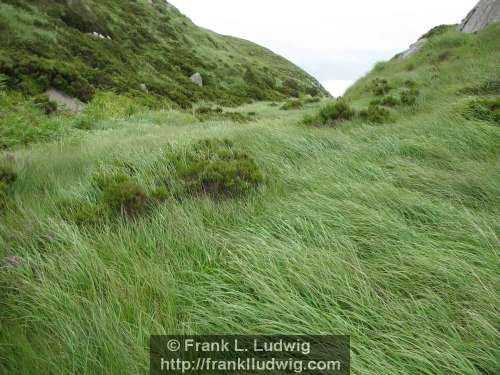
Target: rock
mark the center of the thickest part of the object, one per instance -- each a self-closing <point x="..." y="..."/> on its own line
<point x="95" y="34"/>
<point x="197" y="79"/>
<point x="483" y="14"/>
<point x="65" y="101"/>
<point x="144" y="88"/>
<point x="414" y="48"/>
<point x="12" y="262"/>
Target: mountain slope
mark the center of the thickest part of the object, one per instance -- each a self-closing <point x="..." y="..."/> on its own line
<point x="80" y="46"/>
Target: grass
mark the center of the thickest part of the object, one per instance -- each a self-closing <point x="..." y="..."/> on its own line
<point x="387" y="233"/>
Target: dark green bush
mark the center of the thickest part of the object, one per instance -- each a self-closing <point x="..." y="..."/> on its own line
<point x="46" y="105"/>
<point x="380" y="86"/>
<point x="216" y="168"/>
<point x="388" y="101"/>
<point x="484" y="109"/>
<point x="409" y="96"/>
<point x="331" y="114"/>
<point x="291" y="88"/>
<point x="375" y="114"/>
<point x="410" y="83"/>
<point x="127" y="198"/>
<point x="292" y="104"/>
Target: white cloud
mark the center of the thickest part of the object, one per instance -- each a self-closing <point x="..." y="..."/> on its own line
<point x="331" y="39"/>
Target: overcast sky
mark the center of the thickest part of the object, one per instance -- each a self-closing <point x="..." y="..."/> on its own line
<point x="337" y="41"/>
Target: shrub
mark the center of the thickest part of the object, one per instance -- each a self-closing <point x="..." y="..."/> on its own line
<point x="336" y="111"/>
<point x="312" y="91"/>
<point x="410" y="83"/>
<point x="216" y="168"/>
<point x="380" y="86"/>
<point x="375" y="114"/>
<point x="46" y="105"/>
<point x="331" y="114"/>
<point x="291" y="88"/>
<point x="484" y="109"/>
<point x="388" y="101"/>
<point x="292" y="104"/>
<point x="409" y="96"/>
<point x="125" y="197"/>
<point x="410" y="66"/>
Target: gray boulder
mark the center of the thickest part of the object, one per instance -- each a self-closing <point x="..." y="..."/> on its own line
<point x="484" y="13"/>
<point x="65" y="101"/>
<point x="144" y="88"/>
<point x="414" y="48"/>
<point x="197" y="79"/>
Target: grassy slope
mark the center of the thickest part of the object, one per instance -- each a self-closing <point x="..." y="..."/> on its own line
<point x="388" y="233"/>
<point x="47" y="43"/>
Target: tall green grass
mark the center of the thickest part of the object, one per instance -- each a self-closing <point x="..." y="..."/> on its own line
<point x="388" y="233"/>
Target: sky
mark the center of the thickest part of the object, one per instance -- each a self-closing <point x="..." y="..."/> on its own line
<point x="337" y="41"/>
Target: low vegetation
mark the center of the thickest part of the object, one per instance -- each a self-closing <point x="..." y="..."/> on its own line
<point x="151" y="222"/>
<point x="217" y="168"/>
<point x="331" y="114"/>
<point x="375" y="114"/>
<point x="484" y="109"/>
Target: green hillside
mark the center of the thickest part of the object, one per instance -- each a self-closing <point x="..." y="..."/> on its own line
<point x="80" y="46"/>
<point x="375" y="216"/>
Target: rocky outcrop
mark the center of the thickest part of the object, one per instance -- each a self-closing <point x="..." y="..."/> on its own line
<point x="65" y="101"/>
<point x="414" y="48"/>
<point x="197" y="79"/>
<point x="484" y="13"/>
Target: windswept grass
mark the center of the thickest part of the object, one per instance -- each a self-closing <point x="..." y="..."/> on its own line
<point x="387" y="233"/>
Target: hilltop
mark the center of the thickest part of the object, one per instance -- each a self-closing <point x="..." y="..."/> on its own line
<point x="146" y="49"/>
<point x="374" y="216"/>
